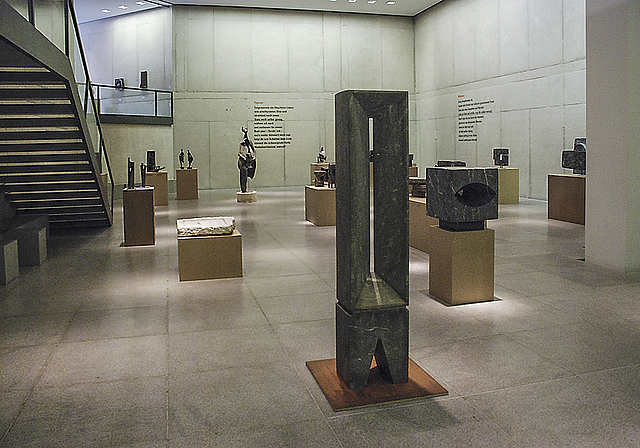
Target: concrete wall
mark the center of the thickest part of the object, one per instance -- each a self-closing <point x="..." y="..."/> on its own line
<point x="123" y="46"/>
<point x="231" y="61"/>
<point x="612" y="233"/>
<point x="525" y="60"/>
<point x="133" y="140"/>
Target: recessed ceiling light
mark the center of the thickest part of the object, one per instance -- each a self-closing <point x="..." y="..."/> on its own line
<point x="106" y="11"/>
<point x="352" y="1"/>
<point x="371" y="1"/>
<point x="391" y="2"/>
<point x="122" y="6"/>
<point x="140" y="2"/>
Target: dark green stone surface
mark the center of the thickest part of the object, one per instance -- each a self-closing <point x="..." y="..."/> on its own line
<point x="371" y="314"/>
<point x="358" y="335"/>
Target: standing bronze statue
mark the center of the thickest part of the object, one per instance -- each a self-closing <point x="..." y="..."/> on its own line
<point x="246" y="160"/>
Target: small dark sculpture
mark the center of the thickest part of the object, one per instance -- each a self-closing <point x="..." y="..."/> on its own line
<point x="320" y="178"/>
<point x="189" y="159"/>
<point x="181" y="159"/>
<point x="501" y="156"/>
<point x="576" y="159"/>
<point x="143" y="175"/>
<point x="322" y="155"/>
<point x="410" y="160"/>
<point x="246" y="160"/>
<point x="130" y="173"/>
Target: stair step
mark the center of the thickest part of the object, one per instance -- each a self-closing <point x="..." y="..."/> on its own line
<point x="34" y="129"/>
<point x="12" y="69"/>
<point x="52" y="194"/>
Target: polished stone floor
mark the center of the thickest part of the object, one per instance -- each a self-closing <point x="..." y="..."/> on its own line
<point x="102" y="346"/>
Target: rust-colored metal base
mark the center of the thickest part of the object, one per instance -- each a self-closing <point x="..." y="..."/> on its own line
<point x="420" y="385"/>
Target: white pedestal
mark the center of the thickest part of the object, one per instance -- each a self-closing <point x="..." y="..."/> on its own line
<point x="249" y="196"/>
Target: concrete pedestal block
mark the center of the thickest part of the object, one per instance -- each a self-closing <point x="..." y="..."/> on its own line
<point x="566" y="197"/>
<point x="139" y="216"/>
<point x="159" y="181"/>
<point x="210" y="257"/>
<point x="420" y="224"/>
<point x="9" y="261"/>
<point x="413" y="171"/>
<point x="461" y="265"/>
<point x="187" y="184"/>
<point x="508" y="186"/>
<point x="320" y="205"/>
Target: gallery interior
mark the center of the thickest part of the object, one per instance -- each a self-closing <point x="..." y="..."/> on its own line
<point x="120" y="328"/>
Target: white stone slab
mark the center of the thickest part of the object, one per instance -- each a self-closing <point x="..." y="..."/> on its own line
<point x="217" y="225"/>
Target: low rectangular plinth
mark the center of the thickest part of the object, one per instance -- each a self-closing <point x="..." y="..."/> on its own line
<point x="413" y="171"/>
<point x="248" y="196"/>
<point x="566" y="197"/>
<point x="210" y="257"/>
<point x="420" y="224"/>
<point x="139" y="216"/>
<point x="320" y="205"/>
<point x="187" y="184"/>
<point x="508" y="186"/>
<point x="461" y="265"/>
<point x="340" y="397"/>
<point x="9" y="264"/>
<point x="159" y="181"/>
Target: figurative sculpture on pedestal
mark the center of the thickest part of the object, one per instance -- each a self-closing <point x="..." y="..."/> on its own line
<point x="181" y="159"/>
<point x="322" y="155"/>
<point x="130" y="173"/>
<point x="246" y="160"/>
<point x="189" y="159"/>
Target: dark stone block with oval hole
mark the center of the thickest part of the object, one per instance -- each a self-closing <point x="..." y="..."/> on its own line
<point x="462" y="198"/>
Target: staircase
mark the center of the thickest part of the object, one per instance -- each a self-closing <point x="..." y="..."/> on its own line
<point x="47" y="164"/>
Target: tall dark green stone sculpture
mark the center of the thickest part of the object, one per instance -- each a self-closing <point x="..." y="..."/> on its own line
<point x="371" y="314"/>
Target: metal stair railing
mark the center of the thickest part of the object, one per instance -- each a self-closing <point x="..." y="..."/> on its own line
<point x="56" y="20"/>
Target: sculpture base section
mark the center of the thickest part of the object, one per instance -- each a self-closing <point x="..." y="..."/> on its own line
<point x="461" y="266"/>
<point x="139" y="217"/>
<point x="363" y="334"/>
<point x="159" y="181"/>
<point x="420" y="225"/>
<point x="249" y="196"/>
<point x="186" y="184"/>
<point x="340" y="397"/>
<point x="210" y="257"/>
<point x="320" y="205"/>
<point x="566" y="197"/>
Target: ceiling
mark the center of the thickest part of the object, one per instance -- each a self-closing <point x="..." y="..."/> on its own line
<point x="88" y="10"/>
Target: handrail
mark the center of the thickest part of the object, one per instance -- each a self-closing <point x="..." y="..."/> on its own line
<point x="89" y="91"/>
<point x="89" y="100"/>
<point x="154" y="92"/>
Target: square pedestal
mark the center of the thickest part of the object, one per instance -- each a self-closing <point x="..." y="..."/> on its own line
<point x="420" y="224"/>
<point x="316" y="167"/>
<point x="139" y="216"/>
<point x="9" y="265"/>
<point x="508" y="186"/>
<point x="187" y="184"/>
<point x="461" y="265"/>
<point x="249" y="196"/>
<point x="159" y="181"/>
<point x="566" y="197"/>
<point x="210" y="257"/>
<point x="320" y="205"/>
<point x="413" y="171"/>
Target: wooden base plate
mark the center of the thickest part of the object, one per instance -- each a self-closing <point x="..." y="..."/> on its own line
<point x="420" y="385"/>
